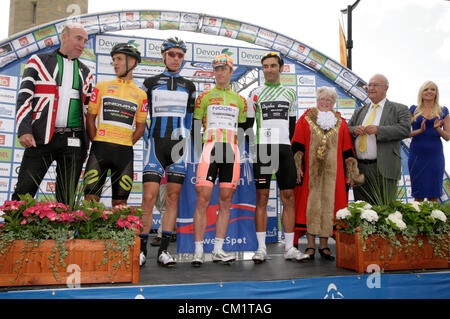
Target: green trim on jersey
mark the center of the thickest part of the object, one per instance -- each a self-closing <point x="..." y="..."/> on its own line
<point x="217" y="96"/>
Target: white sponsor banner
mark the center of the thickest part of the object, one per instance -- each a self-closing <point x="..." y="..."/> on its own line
<point x="344" y="83"/>
<point x="268" y="35"/>
<point x="187" y="26"/>
<point x="284" y="41"/>
<point x="284" y="50"/>
<point x="170" y="16"/>
<point x="105" y="64"/>
<point x="306" y="102"/>
<point x="129" y="16"/>
<point x="9" y="82"/>
<point x="272" y="208"/>
<point x="149" y="24"/>
<point x="104" y="44"/>
<point x="349" y="76"/>
<point x="206" y="53"/>
<point x="300" y="48"/>
<point x="23" y="41"/>
<point x="247" y="28"/>
<point x="296" y="56"/>
<point x="7" y="59"/>
<point x="333" y="66"/>
<point x="18" y="154"/>
<point x="6" y="139"/>
<point x="153" y="48"/>
<point x="251" y="56"/>
<point x="229" y="33"/>
<point x="15" y="170"/>
<point x="5" y="169"/>
<point x="4" y="184"/>
<point x="28" y="50"/>
<point x="306" y="80"/>
<point x="6" y="125"/>
<point x="358" y="93"/>
<point x="48" y="42"/>
<point x="212" y="22"/>
<point x="288" y="68"/>
<point x="211" y="30"/>
<point x="109" y="18"/>
<point x="187" y="17"/>
<point x="263" y="42"/>
<point x="306" y="91"/>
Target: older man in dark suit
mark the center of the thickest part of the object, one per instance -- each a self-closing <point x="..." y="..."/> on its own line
<point x="377" y="129"/>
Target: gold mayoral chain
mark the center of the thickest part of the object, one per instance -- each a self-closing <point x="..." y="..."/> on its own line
<point x="322" y="150"/>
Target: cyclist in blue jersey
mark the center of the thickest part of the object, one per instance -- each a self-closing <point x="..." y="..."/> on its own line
<point x="171" y="102"/>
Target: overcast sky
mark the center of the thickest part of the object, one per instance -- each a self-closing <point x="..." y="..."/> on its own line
<point x="407" y="40"/>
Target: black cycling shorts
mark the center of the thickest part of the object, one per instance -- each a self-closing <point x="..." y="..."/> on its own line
<point x="109" y="156"/>
<point x="274" y="159"/>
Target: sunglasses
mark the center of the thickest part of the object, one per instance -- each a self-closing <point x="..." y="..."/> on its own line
<point x="174" y="54"/>
<point x="220" y="61"/>
<point x="271" y="54"/>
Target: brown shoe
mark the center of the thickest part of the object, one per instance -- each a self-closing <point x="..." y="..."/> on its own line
<point x="156" y="241"/>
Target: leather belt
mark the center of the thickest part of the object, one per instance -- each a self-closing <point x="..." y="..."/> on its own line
<point x="364" y="161"/>
<point x="62" y="130"/>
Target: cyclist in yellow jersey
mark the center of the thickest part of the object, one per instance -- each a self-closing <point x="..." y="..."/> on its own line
<point x="221" y="110"/>
<point x="115" y="121"/>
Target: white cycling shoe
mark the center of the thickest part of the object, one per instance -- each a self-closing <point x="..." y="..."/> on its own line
<point x="294" y="253"/>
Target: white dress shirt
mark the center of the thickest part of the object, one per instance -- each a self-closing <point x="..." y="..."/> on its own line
<point x="371" y="150"/>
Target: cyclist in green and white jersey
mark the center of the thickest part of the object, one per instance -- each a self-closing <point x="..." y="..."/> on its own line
<point x="275" y="108"/>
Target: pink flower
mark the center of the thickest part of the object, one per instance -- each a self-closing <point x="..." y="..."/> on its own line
<point x="23" y="222"/>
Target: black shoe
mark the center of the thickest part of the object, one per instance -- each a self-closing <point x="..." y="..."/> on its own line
<point x="173" y="238"/>
<point x="324" y="255"/>
<point x="311" y="256"/>
<point x="156" y="241"/>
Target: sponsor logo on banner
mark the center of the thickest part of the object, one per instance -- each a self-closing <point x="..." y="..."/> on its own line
<point x="306" y="102"/>
<point x="251" y="56"/>
<point x="4" y="184"/>
<point x="5" y="154"/>
<point x="5" y="81"/>
<point x="212" y="22"/>
<point x="284" y="41"/>
<point x="288" y="79"/>
<point x="230" y="24"/>
<point x="104" y="44"/>
<point x="109" y="18"/>
<point x="358" y="93"/>
<point x="7" y="111"/>
<point x="346" y="103"/>
<point x="4" y="60"/>
<point x="300" y="48"/>
<point x="170" y="16"/>
<point x="229" y="33"/>
<point x="150" y="15"/>
<point x="316" y="56"/>
<point x="149" y="24"/>
<point x="313" y="64"/>
<point x="6" y="140"/>
<point x="28" y="50"/>
<point x="296" y="56"/>
<point x="284" y="50"/>
<point x="5" y="169"/>
<point x="269" y="35"/>
<point x="349" y="76"/>
<point x="306" y="91"/>
<point x="169" y="25"/>
<point x="249" y="29"/>
<point x="8" y="96"/>
<point x="328" y="73"/>
<point x="190" y="17"/>
<point x="250" y="38"/>
<point x="206" y="53"/>
<point x="188" y="26"/>
<point x="263" y="42"/>
<point x="211" y="30"/>
<point x="306" y="79"/>
<point x="23" y="41"/>
<point x="343" y="83"/>
<point x="45" y="32"/>
<point x="333" y="66"/>
<point x="5" y="49"/>
<point x="288" y="68"/>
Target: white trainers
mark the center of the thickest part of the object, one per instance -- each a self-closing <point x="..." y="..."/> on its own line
<point x="197" y="260"/>
<point x="142" y="259"/>
<point x="164" y="259"/>
<point x="222" y="256"/>
<point x="294" y="253"/>
<point x="260" y="256"/>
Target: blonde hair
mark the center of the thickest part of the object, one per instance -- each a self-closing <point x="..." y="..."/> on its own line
<point x="437" y="110"/>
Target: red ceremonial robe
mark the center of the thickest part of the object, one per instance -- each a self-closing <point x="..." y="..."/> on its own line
<point x="323" y="190"/>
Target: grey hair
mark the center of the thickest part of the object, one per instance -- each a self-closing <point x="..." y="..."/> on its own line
<point x="327" y="90"/>
<point x="383" y="77"/>
<point x="72" y="25"/>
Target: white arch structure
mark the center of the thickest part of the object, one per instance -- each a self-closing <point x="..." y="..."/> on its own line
<point x="46" y="35"/>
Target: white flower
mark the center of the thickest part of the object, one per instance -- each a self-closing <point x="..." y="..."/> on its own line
<point x="415" y="205"/>
<point x="369" y="215"/>
<point x="326" y="120"/>
<point x="343" y="213"/>
<point x="396" y="218"/>
<point x="438" y="214"/>
<point x="367" y="206"/>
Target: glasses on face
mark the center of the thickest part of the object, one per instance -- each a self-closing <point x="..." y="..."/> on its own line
<point x="327" y="100"/>
<point x="375" y="85"/>
<point x="173" y="54"/>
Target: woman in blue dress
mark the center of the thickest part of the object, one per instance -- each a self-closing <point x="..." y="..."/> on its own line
<point x="426" y="161"/>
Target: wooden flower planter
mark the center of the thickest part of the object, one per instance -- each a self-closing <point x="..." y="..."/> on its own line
<point x="350" y="254"/>
<point x="19" y="268"/>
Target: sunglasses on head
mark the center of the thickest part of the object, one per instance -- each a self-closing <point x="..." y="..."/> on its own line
<point x="174" y="54"/>
<point x="220" y="61"/>
<point x="271" y="54"/>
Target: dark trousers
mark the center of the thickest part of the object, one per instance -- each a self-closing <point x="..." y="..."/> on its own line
<point x="69" y="163"/>
<point x="377" y="189"/>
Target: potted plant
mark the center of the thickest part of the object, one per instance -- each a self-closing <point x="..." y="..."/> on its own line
<point x="40" y="240"/>
<point x="395" y="236"/>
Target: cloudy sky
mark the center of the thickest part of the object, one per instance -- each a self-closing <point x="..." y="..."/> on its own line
<point x="407" y="40"/>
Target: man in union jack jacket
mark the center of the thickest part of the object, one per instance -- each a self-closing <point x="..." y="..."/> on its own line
<point x="51" y="104"/>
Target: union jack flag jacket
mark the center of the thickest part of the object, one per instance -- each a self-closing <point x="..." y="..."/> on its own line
<point x="37" y="101"/>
